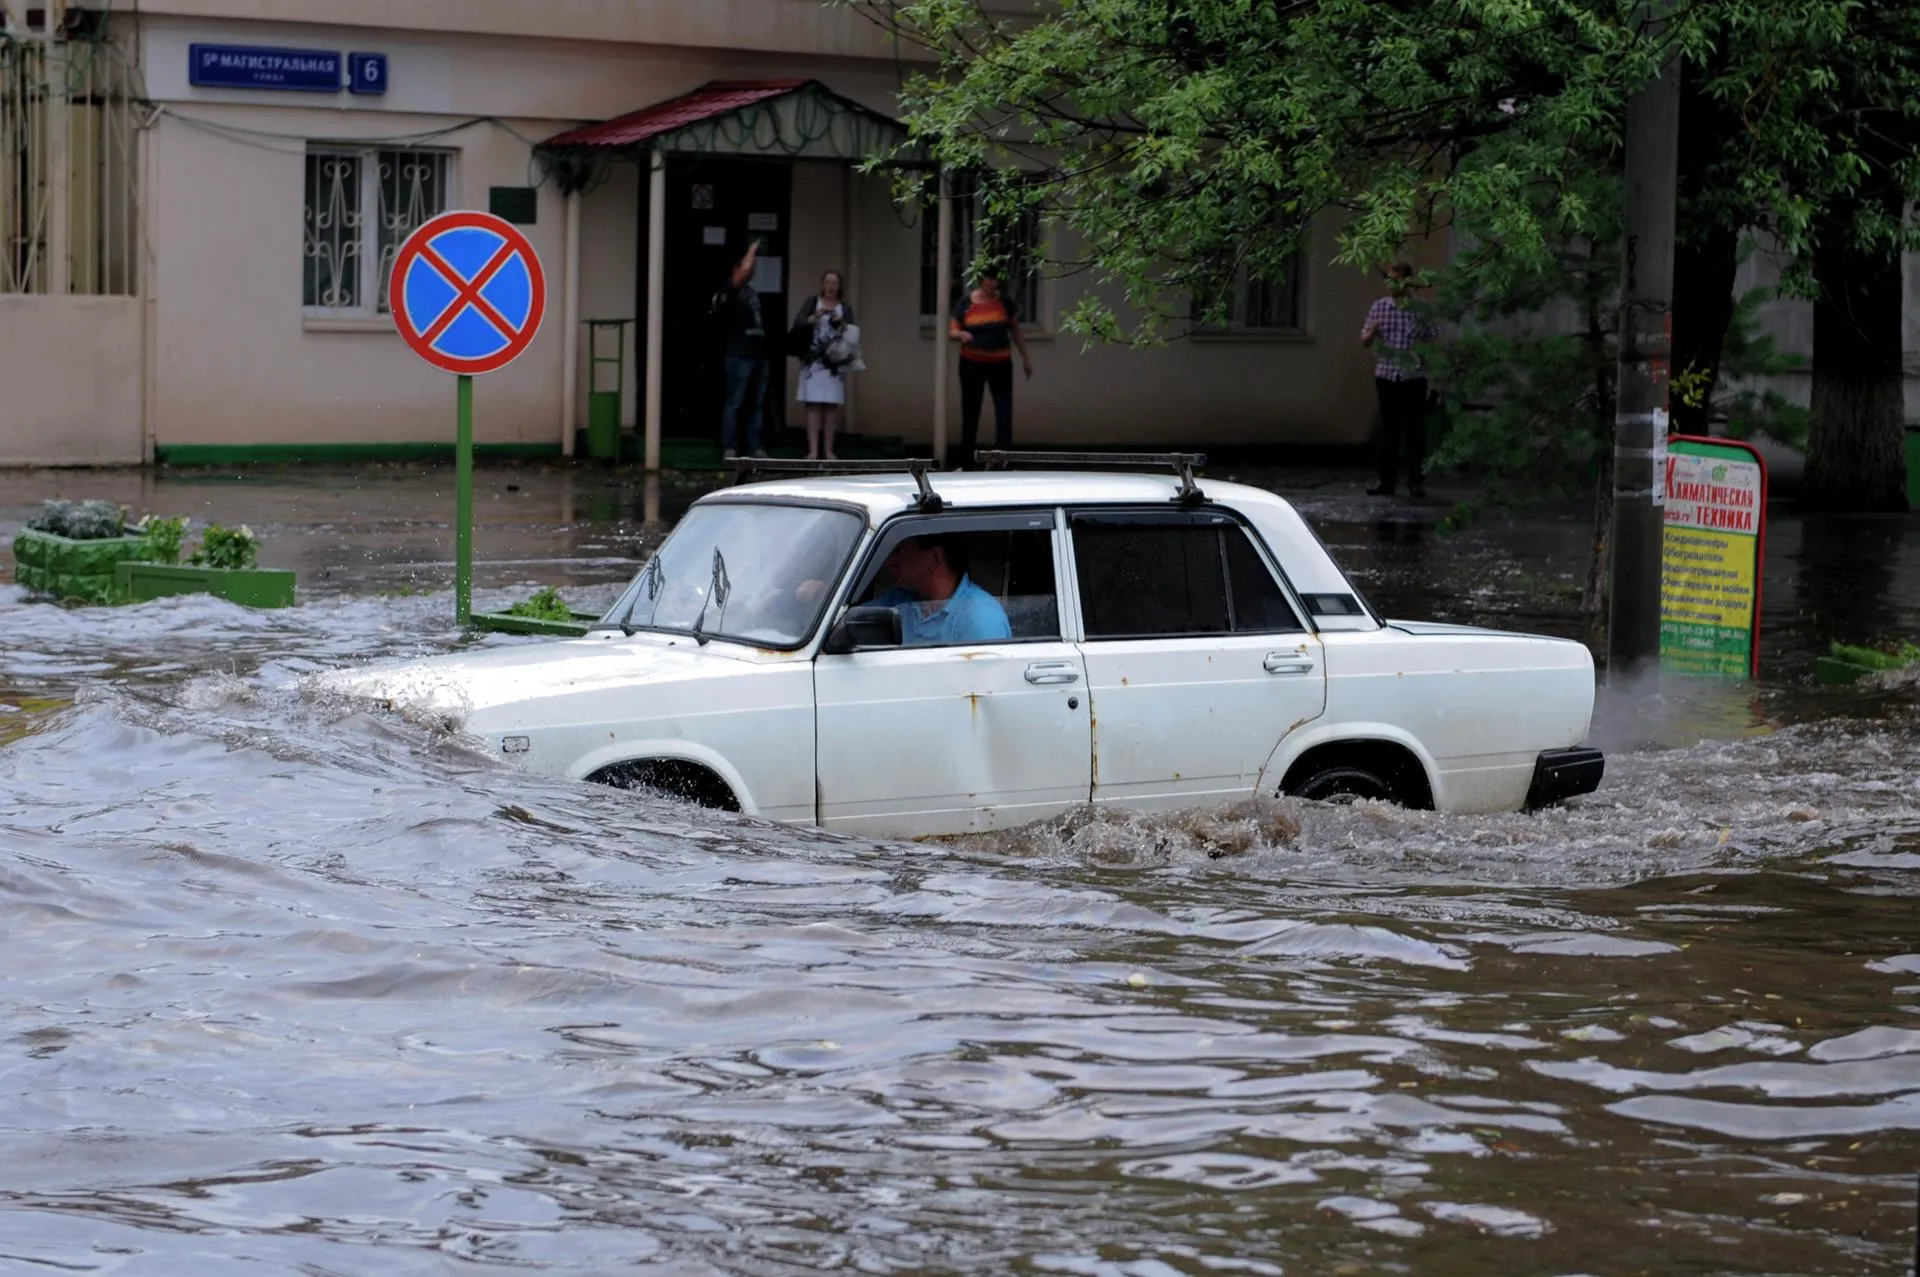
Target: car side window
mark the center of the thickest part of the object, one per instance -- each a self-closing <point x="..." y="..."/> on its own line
<point x="1006" y="563"/>
<point x="1154" y="578"/>
<point x="1259" y="604"/>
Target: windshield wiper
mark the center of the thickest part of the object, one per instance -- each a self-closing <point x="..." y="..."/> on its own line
<point x="651" y="575"/>
<point x="718" y="588"/>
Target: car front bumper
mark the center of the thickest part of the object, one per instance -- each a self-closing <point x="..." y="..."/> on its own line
<point x="1565" y="773"/>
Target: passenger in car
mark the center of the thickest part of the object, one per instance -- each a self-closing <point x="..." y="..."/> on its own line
<point x="938" y="603"/>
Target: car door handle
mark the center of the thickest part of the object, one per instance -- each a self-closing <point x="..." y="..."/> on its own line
<point x="1053" y="672"/>
<point x="1287" y="663"/>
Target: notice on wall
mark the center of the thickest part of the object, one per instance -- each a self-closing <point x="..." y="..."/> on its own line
<point x="1716" y="509"/>
<point x="763" y="221"/>
<point x="769" y="275"/>
<point x="714" y="235"/>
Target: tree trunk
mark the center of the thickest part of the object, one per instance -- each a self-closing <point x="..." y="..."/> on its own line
<point x="1706" y="255"/>
<point x="1593" y="599"/>
<point x="1855" y="457"/>
<point x="1704" y="265"/>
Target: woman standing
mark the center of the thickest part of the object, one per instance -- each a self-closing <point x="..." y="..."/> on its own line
<point x="987" y="326"/>
<point x="823" y="388"/>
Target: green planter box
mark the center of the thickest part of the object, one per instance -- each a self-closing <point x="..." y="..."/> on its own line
<point x="1831" y="672"/>
<point x="506" y="623"/>
<point x="68" y="569"/>
<point x="249" y="587"/>
<point x="1844" y="664"/>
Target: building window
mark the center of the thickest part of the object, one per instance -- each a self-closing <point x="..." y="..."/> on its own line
<point x="1020" y="282"/>
<point x="360" y="208"/>
<point x="1263" y="304"/>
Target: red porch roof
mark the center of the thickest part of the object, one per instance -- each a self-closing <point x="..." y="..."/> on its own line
<point x="704" y="103"/>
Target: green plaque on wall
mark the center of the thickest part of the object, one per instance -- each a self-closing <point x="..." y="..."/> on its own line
<point x="517" y="204"/>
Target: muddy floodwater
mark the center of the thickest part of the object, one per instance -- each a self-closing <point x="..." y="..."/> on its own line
<point x="292" y="989"/>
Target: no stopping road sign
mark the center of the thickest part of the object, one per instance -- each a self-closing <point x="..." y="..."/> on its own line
<point x="467" y="292"/>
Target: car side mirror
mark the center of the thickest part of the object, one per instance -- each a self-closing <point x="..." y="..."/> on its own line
<point x="863" y="627"/>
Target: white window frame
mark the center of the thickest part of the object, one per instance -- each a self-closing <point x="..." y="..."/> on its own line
<point x="1237" y="325"/>
<point x="373" y="260"/>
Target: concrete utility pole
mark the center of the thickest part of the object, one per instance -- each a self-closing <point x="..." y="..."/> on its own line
<point x="1646" y="340"/>
<point x="942" y="303"/>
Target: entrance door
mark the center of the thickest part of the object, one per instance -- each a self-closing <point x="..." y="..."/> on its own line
<point x="714" y="207"/>
<point x="1197" y="662"/>
<point x="942" y="739"/>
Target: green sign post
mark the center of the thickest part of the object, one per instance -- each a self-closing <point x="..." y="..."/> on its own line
<point x="467" y="294"/>
<point x="463" y="501"/>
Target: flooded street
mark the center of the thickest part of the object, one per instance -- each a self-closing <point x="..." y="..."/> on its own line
<point x="292" y="989"/>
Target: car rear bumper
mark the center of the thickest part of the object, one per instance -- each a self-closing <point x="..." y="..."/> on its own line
<point x="1565" y="773"/>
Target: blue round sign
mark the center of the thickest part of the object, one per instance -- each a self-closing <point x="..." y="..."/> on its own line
<point x="467" y="292"/>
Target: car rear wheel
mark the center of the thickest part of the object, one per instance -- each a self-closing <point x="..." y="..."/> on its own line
<point x="1343" y="783"/>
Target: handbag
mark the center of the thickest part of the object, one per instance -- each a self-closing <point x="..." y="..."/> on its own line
<point x="800" y="336"/>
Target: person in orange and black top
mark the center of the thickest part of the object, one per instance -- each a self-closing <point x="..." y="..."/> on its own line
<point x="987" y="326"/>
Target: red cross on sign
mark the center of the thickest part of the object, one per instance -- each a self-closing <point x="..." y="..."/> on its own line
<point x="467" y="292"/>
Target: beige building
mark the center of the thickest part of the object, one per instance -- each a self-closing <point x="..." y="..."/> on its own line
<point x="201" y="199"/>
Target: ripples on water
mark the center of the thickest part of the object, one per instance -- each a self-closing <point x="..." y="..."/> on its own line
<point x="294" y="989"/>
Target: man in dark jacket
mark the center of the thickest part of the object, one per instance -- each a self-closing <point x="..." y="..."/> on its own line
<point x="738" y="305"/>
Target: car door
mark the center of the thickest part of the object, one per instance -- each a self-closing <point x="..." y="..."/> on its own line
<point x="1198" y="661"/>
<point x="941" y="739"/>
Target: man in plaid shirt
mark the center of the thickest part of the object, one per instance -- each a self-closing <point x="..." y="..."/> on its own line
<point x="1400" y="380"/>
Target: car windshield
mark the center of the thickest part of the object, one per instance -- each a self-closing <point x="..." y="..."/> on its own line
<point x="753" y="571"/>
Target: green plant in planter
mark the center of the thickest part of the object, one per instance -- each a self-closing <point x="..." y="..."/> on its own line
<point x="543" y="605"/>
<point x="230" y="549"/>
<point x="163" y="537"/>
<point x="81" y="520"/>
<point x="70" y="550"/>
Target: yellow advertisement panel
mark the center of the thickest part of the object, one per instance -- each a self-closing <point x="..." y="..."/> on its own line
<point x="1710" y="564"/>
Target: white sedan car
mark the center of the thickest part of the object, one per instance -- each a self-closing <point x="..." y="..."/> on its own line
<point x="904" y="654"/>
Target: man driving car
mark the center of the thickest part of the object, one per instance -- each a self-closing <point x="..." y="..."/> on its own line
<point x="938" y="603"/>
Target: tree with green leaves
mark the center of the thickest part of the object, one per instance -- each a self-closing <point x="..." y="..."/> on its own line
<point x="1802" y="118"/>
<point x="1183" y="141"/>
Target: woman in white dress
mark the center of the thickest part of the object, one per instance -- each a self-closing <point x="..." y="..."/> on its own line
<point x="823" y="387"/>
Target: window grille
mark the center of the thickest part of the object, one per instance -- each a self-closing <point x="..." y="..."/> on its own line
<point x="67" y="162"/>
<point x="1020" y="251"/>
<point x="360" y="207"/>
<point x="1261" y="304"/>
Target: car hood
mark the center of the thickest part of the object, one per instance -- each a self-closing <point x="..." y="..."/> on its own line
<point x="464" y="683"/>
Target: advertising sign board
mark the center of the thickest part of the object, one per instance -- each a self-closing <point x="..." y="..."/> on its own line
<point x="1712" y="553"/>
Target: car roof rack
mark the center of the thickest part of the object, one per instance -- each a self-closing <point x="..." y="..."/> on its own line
<point x="747" y="468"/>
<point x="1183" y="464"/>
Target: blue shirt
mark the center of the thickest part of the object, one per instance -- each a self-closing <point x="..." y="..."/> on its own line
<point x="970" y="616"/>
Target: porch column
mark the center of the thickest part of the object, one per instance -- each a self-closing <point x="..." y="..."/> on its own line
<point x="656" y="298"/>
<point x="850" y="254"/>
<point x="942" y="299"/>
<point x="570" y="338"/>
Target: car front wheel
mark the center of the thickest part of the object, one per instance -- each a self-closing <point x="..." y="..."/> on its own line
<point x="1343" y="783"/>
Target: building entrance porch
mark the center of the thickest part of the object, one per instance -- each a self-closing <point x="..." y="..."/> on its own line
<point x="731" y="163"/>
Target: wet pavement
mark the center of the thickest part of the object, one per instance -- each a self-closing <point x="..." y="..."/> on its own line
<point x="292" y="989"/>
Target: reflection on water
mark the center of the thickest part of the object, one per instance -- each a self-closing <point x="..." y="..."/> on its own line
<point x="1845" y="579"/>
<point x="296" y="989"/>
<point x="23" y="715"/>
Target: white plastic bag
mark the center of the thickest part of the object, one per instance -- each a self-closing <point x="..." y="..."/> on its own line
<point x="842" y="354"/>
